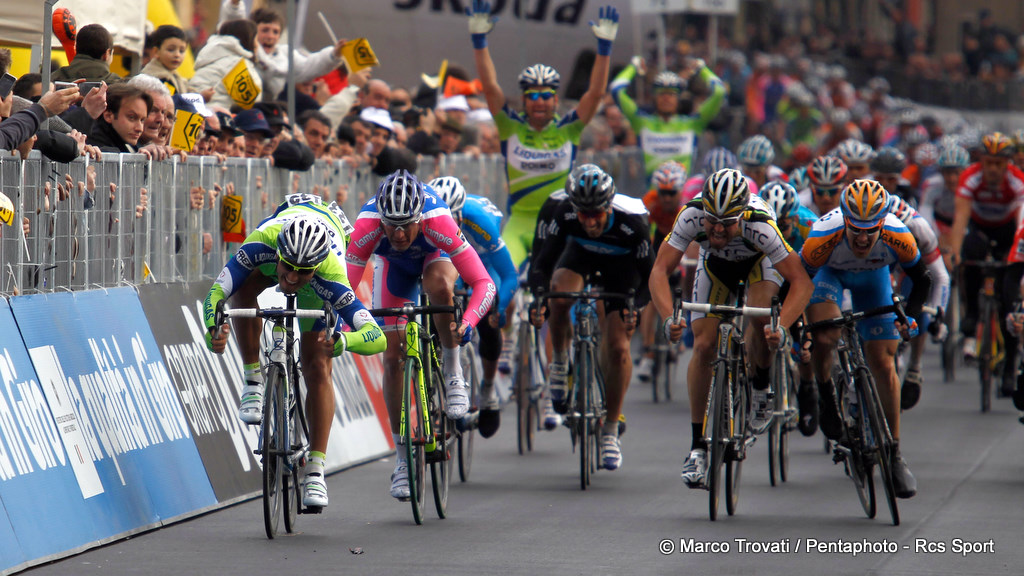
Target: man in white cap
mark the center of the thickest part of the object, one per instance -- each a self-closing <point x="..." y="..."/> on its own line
<point x="385" y="158"/>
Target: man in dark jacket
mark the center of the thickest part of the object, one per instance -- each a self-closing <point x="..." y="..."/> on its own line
<point x="21" y="126"/>
<point x="119" y="127"/>
<point x="95" y="48"/>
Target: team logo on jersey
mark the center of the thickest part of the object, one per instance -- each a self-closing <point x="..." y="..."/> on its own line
<point x="243" y="259"/>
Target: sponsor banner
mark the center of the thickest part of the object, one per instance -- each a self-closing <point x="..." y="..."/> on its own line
<point x="207" y="384"/>
<point x="97" y="428"/>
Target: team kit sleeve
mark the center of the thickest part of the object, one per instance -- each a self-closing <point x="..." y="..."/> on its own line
<point x="686" y="227"/>
<point x="442" y="233"/>
<point x="331" y="284"/>
<point x="365" y="238"/>
<point x="548" y="242"/>
<point x="254" y="251"/>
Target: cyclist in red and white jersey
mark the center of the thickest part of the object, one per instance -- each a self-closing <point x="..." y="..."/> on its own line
<point x="988" y="200"/>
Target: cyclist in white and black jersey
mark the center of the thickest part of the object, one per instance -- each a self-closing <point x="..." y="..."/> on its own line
<point x="740" y="242"/>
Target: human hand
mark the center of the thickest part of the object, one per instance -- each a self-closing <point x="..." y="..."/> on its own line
<point x="95" y="102"/>
<point x="606" y="28"/>
<point x="217" y="338"/>
<point x="56" y="102"/>
<point x="673" y="330"/>
<point x="480" y="22"/>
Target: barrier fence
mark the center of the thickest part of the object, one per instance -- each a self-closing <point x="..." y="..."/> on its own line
<point x="125" y="219"/>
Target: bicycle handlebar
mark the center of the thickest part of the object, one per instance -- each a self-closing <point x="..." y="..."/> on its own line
<point x="415" y="310"/>
<point x="727" y="310"/>
<point x="853" y="317"/>
<point x="272" y="313"/>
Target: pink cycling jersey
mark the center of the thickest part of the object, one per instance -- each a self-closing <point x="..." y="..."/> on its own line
<point x="438" y="233"/>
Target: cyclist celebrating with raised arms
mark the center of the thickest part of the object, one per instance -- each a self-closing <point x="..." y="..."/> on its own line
<point x="416" y="241"/>
<point x="301" y="249"/>
<point x="480" y="221"/>
<point x="739" y="242"/>
<point x="593" y="230"/>
<point x="666" y="134"/>
<point x="851" y="248"/>
<point x="539" y="147"/>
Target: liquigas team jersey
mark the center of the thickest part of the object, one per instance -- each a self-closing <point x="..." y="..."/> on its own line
<point x="672" y="139"/>
<point x="536" y="162"/>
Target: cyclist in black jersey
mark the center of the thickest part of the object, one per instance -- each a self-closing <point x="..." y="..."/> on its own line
<point x="592" y="229"/>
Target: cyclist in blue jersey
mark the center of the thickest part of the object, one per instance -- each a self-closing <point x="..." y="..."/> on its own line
<point x="480" y="221"/>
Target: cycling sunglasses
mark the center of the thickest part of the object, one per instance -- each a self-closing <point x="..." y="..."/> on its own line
<point x="858" y="231"/>
<point x="539" y="94"/>
<point x="298" y="269"/>
<point x="589" y="214"/>
<point x="827" y="191"/>
<point x="667" y="191"/>
<point x="713" y="220"/>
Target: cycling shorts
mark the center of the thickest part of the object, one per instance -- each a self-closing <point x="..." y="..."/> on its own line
<point x="868" y="289"/>
<point x="618" y="273"/>
<point x="717" y="280"/>
<point x="397" y="282"/>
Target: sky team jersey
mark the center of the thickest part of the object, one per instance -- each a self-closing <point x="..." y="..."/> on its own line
<point x="989" y="207"/>
<point x="536" y="163"/>
<point x="481" y="224"/>
<point x="625" y="244"/>
<point x="759" y="233"/>
<point x="438" y="231"/>
<point x="259" y="252"/>
<point x="828" y="246"/>
<point x="672" y="139"/>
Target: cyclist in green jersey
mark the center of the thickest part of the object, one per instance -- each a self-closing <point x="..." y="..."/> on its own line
<point x="300" y="248"/>
<point x="539" y="146"/>
<point x="667" y="135"/>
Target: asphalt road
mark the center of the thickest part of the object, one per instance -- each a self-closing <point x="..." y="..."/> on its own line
<point x="527" y="515"/>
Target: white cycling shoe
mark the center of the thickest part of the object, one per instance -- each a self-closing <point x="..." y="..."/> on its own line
<point x="250" y="410"/>
<point x="457" y="393"/>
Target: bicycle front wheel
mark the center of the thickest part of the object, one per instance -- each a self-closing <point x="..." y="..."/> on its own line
<point x="777" y="427"/>
<point x="413" y="430"/>
<point x="717" y="427"/>
<point x="441" y="463"/>
<point x="734" y="457"/>
<point x="583" y="409"/>
<point x="523" y="380"/>
<point x="298" y="439"/>
<point x="879" y="431"/>
<point x="272" y="439"/>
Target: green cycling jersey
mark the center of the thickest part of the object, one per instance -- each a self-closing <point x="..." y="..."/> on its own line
<point x="675" y="138"/>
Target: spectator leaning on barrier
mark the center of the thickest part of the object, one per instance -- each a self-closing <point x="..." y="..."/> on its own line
<point x="256" y="131"/>
<point x="161" y="117"/>
<point x="234" y="42"/>
<point x="120" y="126"/>
<point x="95" y="50"/>
<point x="316" y="128"/>
<point x="18" y="128"/>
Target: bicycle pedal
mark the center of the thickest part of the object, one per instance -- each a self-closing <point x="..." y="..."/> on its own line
<point x="437" y="455"/>
<point x="311" y="510"/>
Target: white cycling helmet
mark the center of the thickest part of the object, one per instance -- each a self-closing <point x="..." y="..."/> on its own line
<point x="539" y="75"/>
<point x="756" y="151"/>
<point x="853" y="151"/>
<point x="451" y="191"/>
<point x="726" y="193"/>
<point x="400" y="198"/>
<point x="781" y="197"/>
<point x="304" y="242"/>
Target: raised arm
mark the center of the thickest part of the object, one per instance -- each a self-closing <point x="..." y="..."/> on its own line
<point x="605" y="29"/>
<point x="480" y="24"/>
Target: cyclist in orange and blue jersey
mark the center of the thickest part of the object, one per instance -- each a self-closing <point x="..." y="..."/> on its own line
<point x="851" y="248"/>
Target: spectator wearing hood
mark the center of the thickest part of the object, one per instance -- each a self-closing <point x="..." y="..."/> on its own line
<point x="233" y="43"/>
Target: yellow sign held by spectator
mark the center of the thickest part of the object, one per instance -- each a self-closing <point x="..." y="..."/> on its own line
<point x="232" y="225"/>
<point x="358" y="55"/>
<point x="240" y="85"/>
<point x="187" y="128"/>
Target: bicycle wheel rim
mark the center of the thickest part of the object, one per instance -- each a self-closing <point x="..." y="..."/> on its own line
<point x="270" y="436"/>
<point x="465" y="441"/>
<point x="719" y="431"/>
<point x="985" y="361"/>
<point x="440" y="472"/>
<point x="582" y="409"/>
<point x="880" y="432"/>
<point x="522" y="383"/>
<point x="734" y="463"/>
<point x="413" y="430"/>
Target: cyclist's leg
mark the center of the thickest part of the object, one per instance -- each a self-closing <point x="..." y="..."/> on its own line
<point x="439" y="276"/>
<point x="764" y="282"/>
<point x="974" y="248"/>
<point x="490" y="351"/>
<point x="824" y="304"/>
<point x="247" y="332"/>
<point x="881" y="339"/>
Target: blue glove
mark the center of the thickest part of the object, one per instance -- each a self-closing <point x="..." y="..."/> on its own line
<point x="606" y="29"/>
<point x="480" y="22"/>
<point x="914" y="329"/>
<point x="468" y="334"/>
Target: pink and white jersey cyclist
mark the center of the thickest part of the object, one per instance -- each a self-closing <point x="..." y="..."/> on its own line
<point x="417" y="242"/>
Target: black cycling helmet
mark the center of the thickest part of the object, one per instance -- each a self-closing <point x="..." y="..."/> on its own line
<point x="590" y="188"/>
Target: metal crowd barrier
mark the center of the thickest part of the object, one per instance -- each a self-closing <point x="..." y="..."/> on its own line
<point x="126" y="220"/>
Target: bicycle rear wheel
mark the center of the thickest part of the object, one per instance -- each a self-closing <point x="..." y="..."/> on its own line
<point x="950" y="345"/>
<point x="442" y="464"/>
<point x="413" y="436"/>
<point x="717" y="427"/>
<point x="879" y="428"/>
<point x="272" y="440"/>
<point x="777" y="427"/>
<point x="583" y="408"/>
<point x="470" y="367"/>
